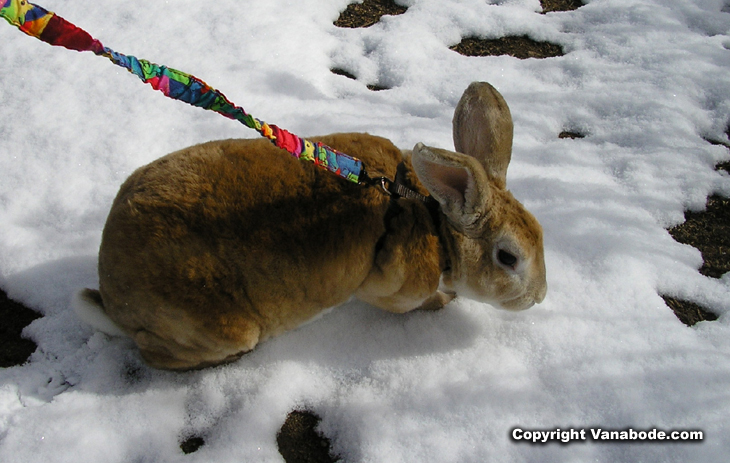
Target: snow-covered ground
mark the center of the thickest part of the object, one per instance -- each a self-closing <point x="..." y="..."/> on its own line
<point x="646" y="80"/>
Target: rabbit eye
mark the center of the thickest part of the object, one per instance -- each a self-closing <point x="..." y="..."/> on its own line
<point x="505" y="258"/>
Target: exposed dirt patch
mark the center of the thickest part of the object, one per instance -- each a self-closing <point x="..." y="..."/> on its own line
<point x="708" y="231"/>
<point x="343" y="73"/>
<point x="377" y="88"/>
<point x="688" y="313"/>
<point x="15" y="350"/>
<point x="570" y="134"/>
<point x="192" y="444"/>
<point x="560" y="5"/>
<point x="521" y="47"/>
<point x="367" y="13"/>
<point x="349" y="75"/>
<point x="299" y="441"/>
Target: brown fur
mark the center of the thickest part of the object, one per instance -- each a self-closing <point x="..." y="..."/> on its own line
<point x="212" y="249"/>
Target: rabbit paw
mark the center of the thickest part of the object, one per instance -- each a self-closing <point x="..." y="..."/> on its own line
<point x="438" y="300"/>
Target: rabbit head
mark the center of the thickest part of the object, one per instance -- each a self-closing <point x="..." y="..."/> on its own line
<point x="495" y="244"/>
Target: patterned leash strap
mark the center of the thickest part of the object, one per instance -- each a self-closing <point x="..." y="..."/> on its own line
<point x="50" y="28"/>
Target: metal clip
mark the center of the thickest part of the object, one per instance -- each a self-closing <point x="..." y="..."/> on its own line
<point x="395" y="189"/>
<point x="386" y="184"/>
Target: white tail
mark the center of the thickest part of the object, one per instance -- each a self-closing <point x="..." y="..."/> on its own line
<point x="89" y="308"/>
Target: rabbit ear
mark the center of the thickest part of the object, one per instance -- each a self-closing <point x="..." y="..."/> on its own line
<point x="482" y="128"/>
<point x="458" y="182"/>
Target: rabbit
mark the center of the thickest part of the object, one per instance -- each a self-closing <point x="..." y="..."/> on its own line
<point x="212" y="249"/>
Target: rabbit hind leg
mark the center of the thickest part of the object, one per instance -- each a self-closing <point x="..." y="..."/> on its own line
<point x="168" y="354"/>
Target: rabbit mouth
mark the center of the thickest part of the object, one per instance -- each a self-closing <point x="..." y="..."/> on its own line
<point x="511" y="302"/>
<point x="519" y="303"/>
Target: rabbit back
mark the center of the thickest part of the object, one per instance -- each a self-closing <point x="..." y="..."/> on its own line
<point x="214" y="248"/>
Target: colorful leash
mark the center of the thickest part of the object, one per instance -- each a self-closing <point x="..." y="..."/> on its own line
<point x="50" y="28"/>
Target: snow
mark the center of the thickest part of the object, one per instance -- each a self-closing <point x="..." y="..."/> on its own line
<point x="646" y="80"/>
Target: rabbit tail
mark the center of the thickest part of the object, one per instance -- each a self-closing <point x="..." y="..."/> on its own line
<point x="89" y="307"/>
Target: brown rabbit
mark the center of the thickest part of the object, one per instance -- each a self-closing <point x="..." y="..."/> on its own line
<point x="212" y="249"/>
